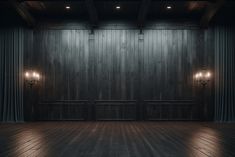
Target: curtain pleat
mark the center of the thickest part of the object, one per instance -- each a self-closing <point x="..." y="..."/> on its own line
<point x="224" y="77"/>
<point x="11" y="81"/>
<point x="11" y="74"/>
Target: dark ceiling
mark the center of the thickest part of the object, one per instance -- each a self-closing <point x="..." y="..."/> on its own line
<point x="106" y="9"/>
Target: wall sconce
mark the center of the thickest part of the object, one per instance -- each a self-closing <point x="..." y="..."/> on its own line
<point x="32" y="77"/>
<point x="203" y="77"/>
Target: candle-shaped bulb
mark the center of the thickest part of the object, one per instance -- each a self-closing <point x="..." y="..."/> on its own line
<point x="26" y="74"/>
<point x="34" y="74"/>
<point x="200" y="74"/>
<point x="38" y="76"/>
<point x="208" y="74"/>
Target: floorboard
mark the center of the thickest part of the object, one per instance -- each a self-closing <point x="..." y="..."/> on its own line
<point x="117" y="139"/>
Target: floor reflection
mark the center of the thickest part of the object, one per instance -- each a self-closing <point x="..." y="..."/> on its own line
<point x="29" y="143"/>
<point x="205" y="142"/>
<point x="117" y="139"/>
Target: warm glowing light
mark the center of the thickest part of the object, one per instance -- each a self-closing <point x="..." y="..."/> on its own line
<point x="67" y="7"/>
<point x="168" y="7"/>
<point x="203" y="77"/>
<point x="38" y="76"/>
<point x="118" y="7"/>
<point x="28" y="135"/>
<point x="34" y="74"/>
<point x="208" y="74"/>
<point x="32" y="77"/>
<point x="197" y="140"/>
<point x="26" y="74"/>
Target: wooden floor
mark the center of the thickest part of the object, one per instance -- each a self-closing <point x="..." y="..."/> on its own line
<point x="117" y="139"/>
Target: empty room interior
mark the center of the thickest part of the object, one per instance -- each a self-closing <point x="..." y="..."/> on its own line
<point x="117" y="78"/>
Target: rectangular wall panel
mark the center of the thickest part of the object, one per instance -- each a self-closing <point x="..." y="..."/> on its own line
<point x="119" y="64"/>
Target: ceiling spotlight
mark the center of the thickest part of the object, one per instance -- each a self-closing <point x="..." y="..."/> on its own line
<point x="118" y="7"/>
<point x="67" y="7"/>
<point x="168" y="7"/>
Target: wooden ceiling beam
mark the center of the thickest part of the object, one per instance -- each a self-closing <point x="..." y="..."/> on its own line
<point x="23" y="12"/>
<point x="143" y="11"/>
<point x="211" y="10"/>
<point x="92" y="12"/>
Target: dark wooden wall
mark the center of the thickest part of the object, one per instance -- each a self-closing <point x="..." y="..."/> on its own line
<point x="118" y="63"/>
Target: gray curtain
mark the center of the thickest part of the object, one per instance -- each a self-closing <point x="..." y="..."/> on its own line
<point x="11" y="75"/>
<point x="225" y="74"/>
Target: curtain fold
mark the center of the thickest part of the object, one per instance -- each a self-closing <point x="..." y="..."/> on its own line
<point x="11" y="75"/>
<point x="224" y="76"/>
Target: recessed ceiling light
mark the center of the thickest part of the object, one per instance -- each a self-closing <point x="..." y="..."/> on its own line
<point x="67" y="7"/>
<point x="118" y="7"/>
<point x="168" y="7"/>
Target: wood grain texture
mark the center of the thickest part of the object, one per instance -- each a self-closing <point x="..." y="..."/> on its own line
<point x="61" y="110"/>
<point x="115" y="110"/>
<point x="173" y="110"/>
<point x="159" y="66"/>
<point x="118" y="110"/>
<point x="120" y="139"/>
<point x="119" y="64"/>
